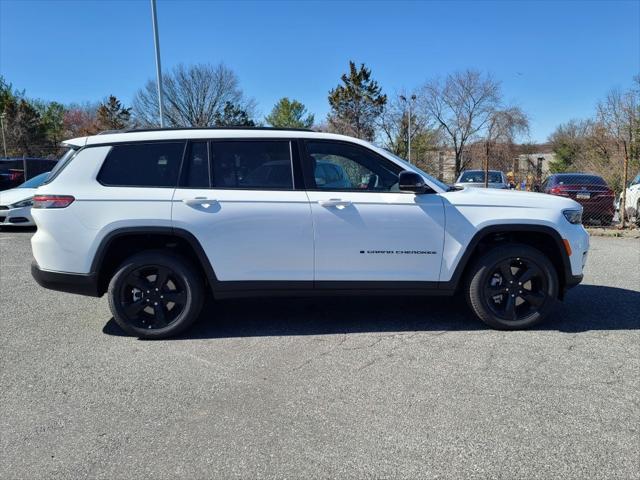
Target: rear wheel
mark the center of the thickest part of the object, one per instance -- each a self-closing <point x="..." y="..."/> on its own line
<point x="512" y="287"/>
<point x="155" y="295"/>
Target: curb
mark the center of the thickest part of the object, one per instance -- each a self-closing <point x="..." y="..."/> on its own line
<point x="613" y="232"/>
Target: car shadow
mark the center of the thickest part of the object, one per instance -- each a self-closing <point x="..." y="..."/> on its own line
<point x="586" y="307"/>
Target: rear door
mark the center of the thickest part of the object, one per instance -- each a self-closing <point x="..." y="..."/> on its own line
<point x="239" y="198"/>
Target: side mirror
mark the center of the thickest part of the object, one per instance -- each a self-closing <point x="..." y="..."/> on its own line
<point x="412" y="182"/>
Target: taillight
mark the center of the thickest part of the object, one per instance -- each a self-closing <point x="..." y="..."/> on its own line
<point x="52" y="201"/>
<point x="558" y="191"/>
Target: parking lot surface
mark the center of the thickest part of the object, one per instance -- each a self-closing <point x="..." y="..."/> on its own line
<point x="323" y="388"/>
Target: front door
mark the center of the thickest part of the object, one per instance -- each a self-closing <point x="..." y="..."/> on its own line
<point x="365" y="229"/>
<point x="239" y="199"/>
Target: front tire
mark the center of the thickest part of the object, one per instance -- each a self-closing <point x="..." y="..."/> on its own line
<point x="512" y="287"/>
<point x="155" y="295"/>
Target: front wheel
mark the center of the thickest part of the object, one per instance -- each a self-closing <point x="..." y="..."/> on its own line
<point x="512" y="287"/>
<point x="155" y="295"/>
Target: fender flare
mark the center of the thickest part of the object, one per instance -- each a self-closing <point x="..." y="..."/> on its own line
<point x="565" y="275"/>
<point x="193" y="242"/>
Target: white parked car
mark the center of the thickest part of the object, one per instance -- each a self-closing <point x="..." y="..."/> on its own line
<point x="632" y="200"/>
<point x="475" y="178"/>
<point x="156" y="218"/>
<point x="15" y="204"/>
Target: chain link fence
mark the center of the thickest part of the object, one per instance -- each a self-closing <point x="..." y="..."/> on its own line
<point x="597" y="184"/>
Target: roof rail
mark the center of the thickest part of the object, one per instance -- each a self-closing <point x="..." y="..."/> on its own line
<point x="159" y="129"/>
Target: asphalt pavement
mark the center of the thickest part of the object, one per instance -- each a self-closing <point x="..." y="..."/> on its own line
<point x="386" y="387"/>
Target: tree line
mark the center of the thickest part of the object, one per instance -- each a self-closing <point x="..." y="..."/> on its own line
<point x="463" y="113"/>
<point x="604" y="143"/>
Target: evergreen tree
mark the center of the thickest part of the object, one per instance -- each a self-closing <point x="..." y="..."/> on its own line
<point x="233" y="116"/>
<point x="356" y="104"/>
<point x="25" y="132"/>
<point x="112" y="115"/>
<point x="289" y="114"/>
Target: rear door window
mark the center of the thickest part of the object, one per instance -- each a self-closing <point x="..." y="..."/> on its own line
<point x="251" y="164"/>
<point x="142" y="165"/>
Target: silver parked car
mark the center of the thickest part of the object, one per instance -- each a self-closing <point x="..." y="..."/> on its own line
<point x="475" y="178"/>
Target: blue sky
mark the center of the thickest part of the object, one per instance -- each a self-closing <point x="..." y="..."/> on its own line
<point x="554" y="59"/>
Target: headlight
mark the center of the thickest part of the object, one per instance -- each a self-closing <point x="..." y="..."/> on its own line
<point x="24" y="203"/>
<point x="573" y="216"/>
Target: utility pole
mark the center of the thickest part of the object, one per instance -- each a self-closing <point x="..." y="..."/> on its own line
<point x="4" y="141"/>
<point x="404" y="99"/>
<point x="156" y="43"/>
<point x="486" y="164"/>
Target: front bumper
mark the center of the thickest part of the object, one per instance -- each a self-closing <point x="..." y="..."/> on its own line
<point x="16" y="217"/>
<point x="78" y="283"/>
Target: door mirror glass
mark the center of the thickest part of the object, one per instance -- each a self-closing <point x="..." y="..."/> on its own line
<point x="412" y="182"/>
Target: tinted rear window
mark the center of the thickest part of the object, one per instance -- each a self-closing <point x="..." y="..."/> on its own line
<point x="579" y="180"/>
<point x="478" y="177"/>
<point x="142" y="165"/>
<point x="251" y="164"/>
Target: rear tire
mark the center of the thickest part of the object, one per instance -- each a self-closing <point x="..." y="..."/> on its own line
<point x="155" y="294"/>
<point x="512" y="287"/>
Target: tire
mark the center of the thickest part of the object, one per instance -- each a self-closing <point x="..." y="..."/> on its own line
<point x="497" y="272"/>
<point x="155" y="294"/>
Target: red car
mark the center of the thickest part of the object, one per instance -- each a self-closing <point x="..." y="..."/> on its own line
<point x="590" y="191"/>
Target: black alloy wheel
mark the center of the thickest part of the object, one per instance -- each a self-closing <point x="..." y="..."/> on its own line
<point x="152" y="296"/>
<point x="515" y="288"/>
<point x="512" y="286"/>
<point x="156" y="294"/>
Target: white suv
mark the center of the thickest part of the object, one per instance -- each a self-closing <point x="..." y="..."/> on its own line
<point x="155" y="218"/>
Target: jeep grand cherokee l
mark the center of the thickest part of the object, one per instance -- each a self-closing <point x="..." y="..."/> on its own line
<point x="156" y="218"/>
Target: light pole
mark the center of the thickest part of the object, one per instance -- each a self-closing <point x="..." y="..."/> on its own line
<point x="4" y="141"/>
<point x="156" y="43"/>
<point x="404" y="99"/>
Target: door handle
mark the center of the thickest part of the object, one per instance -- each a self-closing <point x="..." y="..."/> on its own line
<point x="199" y="201"/>
<point x="334" y="202"/>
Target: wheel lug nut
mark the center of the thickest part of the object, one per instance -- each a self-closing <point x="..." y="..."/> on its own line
<point x="155" y="303"/>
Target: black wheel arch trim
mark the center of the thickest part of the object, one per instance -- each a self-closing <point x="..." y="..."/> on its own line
<point x="567" y="278"/>
<point x="193" y="242"/>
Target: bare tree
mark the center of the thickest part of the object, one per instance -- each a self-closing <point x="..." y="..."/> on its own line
<point x="618" y="113"/>
<point x="461" y="106"/>
<point x="503" y="127"/>
<point x="194" y="96"/>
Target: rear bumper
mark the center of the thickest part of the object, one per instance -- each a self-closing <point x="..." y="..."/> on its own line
<point x="81" y="284"/>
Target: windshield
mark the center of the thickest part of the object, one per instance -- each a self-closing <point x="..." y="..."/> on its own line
<point x="35" y="182"/>
<point x="477" y="176"/>
<point x="412" y="167"/>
